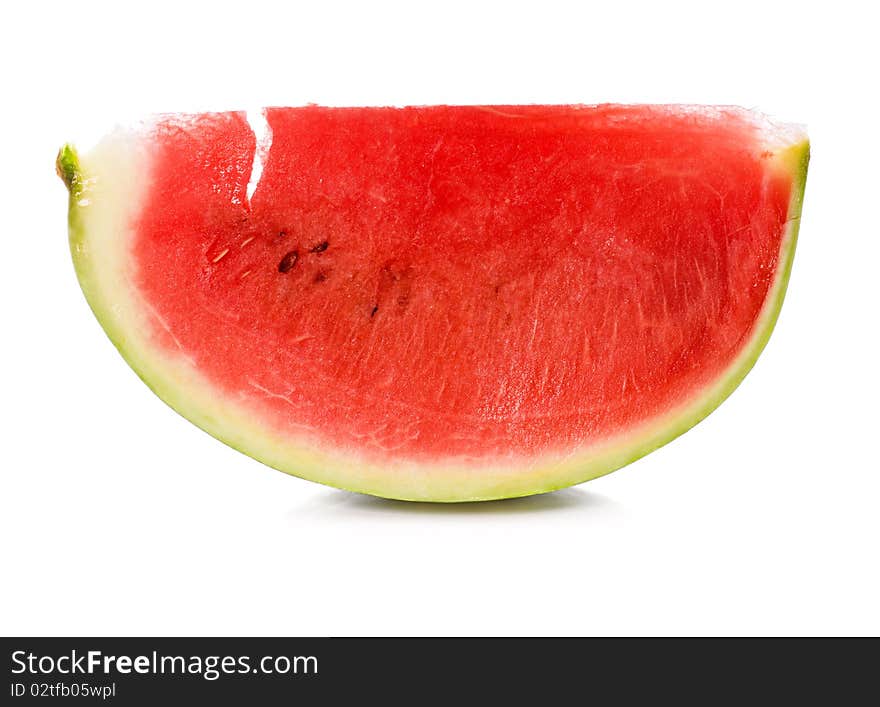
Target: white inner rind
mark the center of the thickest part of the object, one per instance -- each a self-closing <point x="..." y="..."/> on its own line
<point x="262" y="131"/>
<point x="116" y="180"/>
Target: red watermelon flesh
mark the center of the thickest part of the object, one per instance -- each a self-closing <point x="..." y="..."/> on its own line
<point x="447" y="303"/>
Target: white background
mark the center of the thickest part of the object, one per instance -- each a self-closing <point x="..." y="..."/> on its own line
<point x="118" y="517"/>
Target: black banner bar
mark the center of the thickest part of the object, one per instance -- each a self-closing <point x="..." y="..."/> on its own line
<point x="136" y="671"/>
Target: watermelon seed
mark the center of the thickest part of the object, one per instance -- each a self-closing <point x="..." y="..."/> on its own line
<point x="320" y="248"/>
<point x="282" y="233"/>
<point x="246" y="241"/>
<point x="373" y="312"/>
<point x="288" y="261"/>
<point x="320" y="276"/>
<point x="220" y="257"/>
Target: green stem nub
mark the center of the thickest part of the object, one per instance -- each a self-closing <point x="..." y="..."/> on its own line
<point x="67" y="166"/>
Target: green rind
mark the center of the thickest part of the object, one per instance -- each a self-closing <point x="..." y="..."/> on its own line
<point x="434" y="485"/>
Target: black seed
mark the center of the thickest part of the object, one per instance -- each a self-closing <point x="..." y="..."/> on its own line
<point x="320" y="248"/>
<point x="288" y="261"/>
<point x="320" y="276"/>
<point x="375" y="309"/>
<point x="282" y="233"/>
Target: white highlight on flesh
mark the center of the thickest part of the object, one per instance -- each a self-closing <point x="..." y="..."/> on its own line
<point x="256" y="119"/>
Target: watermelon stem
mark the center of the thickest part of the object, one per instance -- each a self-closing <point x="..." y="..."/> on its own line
<point x="67" y="167"/>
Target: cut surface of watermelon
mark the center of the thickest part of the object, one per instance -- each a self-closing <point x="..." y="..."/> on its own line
<point x="441" y="303"/>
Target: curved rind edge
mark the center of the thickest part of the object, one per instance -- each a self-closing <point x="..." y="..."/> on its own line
<point x="235" y="428"/>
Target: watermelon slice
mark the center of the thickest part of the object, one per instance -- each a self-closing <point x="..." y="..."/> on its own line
<point x="441" y="303"/>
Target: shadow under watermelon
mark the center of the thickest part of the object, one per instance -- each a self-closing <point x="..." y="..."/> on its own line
<point x="567" y="500"/>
